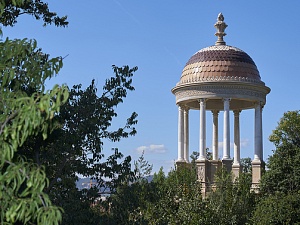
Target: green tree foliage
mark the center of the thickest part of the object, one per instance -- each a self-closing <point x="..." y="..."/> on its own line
<point x="231" y="202"/>
<point x="76" y="146"/>
<point x="27" y="109"/>
<point x="179" y="199"/>
<point x="129" y="204"/>
<point x="142" y="168"/>
<point x="283" y="174"/>
<point x="280" y="185"/>
<point x="208" y="153"/>
<point x="11" y="10"/>
<point x="278" y="209"/>
<point x="24" y="67"/>
<point x="246" y="165"/>
<point x="194" y="156"/>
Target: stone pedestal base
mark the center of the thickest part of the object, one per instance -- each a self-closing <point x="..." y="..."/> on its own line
<point x="182" y="164"/>
<point x="227" y="164"/>
<point x="236" y="170"/>
<point x="207" y="169"/>
<point x="258" y="168"/>
<point x="203" y="174"/>
<point x="215" y="165"/>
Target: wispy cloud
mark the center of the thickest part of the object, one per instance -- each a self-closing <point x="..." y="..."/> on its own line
<point x="243" y="142"/>
<point x="154" y="149"/>
<point x="173" y="56"/>
<point x="127" y="12"/>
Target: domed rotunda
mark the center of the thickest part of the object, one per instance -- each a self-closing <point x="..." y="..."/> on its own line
<point x="220" y="78"/>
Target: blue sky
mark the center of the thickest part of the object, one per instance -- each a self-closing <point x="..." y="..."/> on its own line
<point x="159" y="37"/>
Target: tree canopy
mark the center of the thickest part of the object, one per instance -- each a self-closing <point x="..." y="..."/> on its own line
<point x="11" y="10"/>
<point x="283" y="174"/>
<point x="75" y="147"/>
<point x="280" y="185"/>
<point x="26" y="110"/>
<point x="44" y="139"/>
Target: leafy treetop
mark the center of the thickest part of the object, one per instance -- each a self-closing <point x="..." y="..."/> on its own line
<point x="26" y="109"/>
<point x="284" y="165"/>
<point x="10" y="10"/>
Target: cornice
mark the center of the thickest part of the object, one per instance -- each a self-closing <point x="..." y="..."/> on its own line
<point x="222" y="86"/>
<point x="196" y="80"/>
<point x="213" y="90"/>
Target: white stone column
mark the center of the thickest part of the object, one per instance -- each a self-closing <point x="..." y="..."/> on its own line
<point x="257" y="163"/>
<point x="258" y="142"/>
<point x="261" y="134"/>
<point x="236" y="137"/>
<point x="202" y="141"/>
<point x="215" y="142"/>
<point x="186" y="134"/>
<point x="226" y="133"/>
<point x="180" y="133"/>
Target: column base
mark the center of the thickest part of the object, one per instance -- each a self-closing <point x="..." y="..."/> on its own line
<point x="180" y="163"/>
<point x="258" y="167"/>
<point x="236" y="170"/>
<point x="203" y="175"/>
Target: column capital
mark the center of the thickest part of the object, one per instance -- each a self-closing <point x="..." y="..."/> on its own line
<point x="237" y="112"/>
<point x="215" y="112"/>
<point x="202" y="100"/>
<point x="183" y="107"/>
<point x="186" y="108"/>
<point x="226" y="99"/>
<point x="259" y="103"/>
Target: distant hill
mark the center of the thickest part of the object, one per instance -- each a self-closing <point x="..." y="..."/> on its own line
<point x="87" y="183"/>
<point x="149" y="178"/>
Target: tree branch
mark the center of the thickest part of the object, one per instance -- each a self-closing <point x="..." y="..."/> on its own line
<point x="8" y="119"/>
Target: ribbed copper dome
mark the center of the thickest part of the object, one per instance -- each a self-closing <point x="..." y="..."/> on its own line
<point x="220" y="63"/>
<point x="219" y="72"/>
<point x="218" y="53"/>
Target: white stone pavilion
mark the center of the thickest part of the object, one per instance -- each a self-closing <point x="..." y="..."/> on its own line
<point x="220" y="78"/>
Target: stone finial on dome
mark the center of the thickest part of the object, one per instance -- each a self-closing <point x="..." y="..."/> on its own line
<point x="220" y="25"/>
